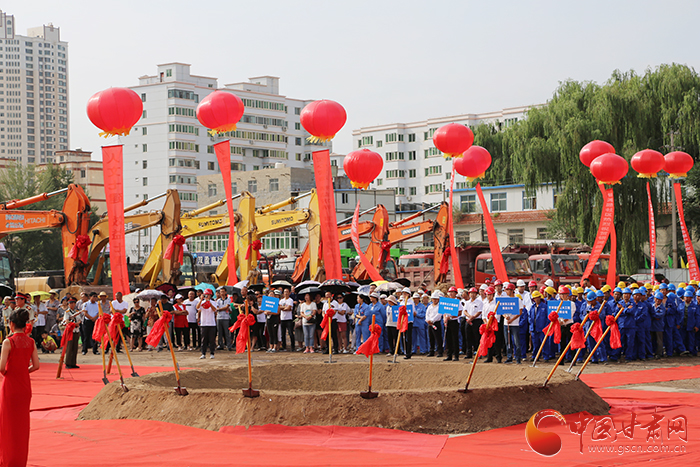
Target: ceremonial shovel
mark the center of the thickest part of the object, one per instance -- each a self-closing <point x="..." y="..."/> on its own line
<point x="116" y="359"/>
<point x="126" y="347"/>
<point x="179" y="389"/>
<point x="369" y="394"/>
<point x="250" y="392"/>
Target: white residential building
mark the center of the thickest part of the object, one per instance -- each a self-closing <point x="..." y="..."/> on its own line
<point x="413" y="166"/>
<point x="34" y="121"/>
<point x="168" y="148"/>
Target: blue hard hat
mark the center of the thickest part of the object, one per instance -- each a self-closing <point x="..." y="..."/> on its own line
<point x="617" y="289"/>
<point x="691" y="288"/>
<point x="659" y="295"/>
<point x="663" y="286"/>
<point x="671" y="286"/>
<point x="626" y="290"/>
<point x="590" y="296"/>
<point x="680" y="291"/>
<point x="599" y="293"/>
<point x="688" y="293"/>
<point x="637" y="292"/>
<point x="671" y="295"/>
<point x="643" y="290"/>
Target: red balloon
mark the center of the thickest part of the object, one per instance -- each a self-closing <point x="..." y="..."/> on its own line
<point x="453" y="139"/>
<point x="323" y="119"/>
<point x="609" y="168"/>
<point x="647" y="162"/>
<point x="594" y="149"/>
<point x="473" y="163"/>
<point x="220" y="111"/>
<point x="115" y="111"/>
<point x="678" y="164"/>
<point x="362" y="167"/>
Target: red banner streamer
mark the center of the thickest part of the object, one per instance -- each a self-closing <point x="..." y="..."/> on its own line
<point x="113" y="167"/>
<point x="355" y="237"/>
<point x="456" y="272"/>
<point x="687" y="241"/>
<point x="223" y="156"/>
<point x="612" y="262"/>
<point x="606" y="220"/>
<point x="496" y="256"/>
<point x="327" y="214"/>
<point x="652" y="236"/>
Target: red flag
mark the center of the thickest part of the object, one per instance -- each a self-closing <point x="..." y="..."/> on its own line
<point x="100" y="329"/>
<point x="687" y="241"/>
<point x="445" y="262"/>
<point x="326" y="323"/>
<point x="498" y="264"/>
<point x="223" y="156"/>
<point x="597" y="330"/>
<point x="652" y="236"/>
<point x="243" y="322"/>
<point x="403" y="319"/>
<point x="177" y="242"/>
<point x="554" y="328"/>
<point x="115" y="325"/>
<point x="604" y="228"/>
<point x="67" y="334"/>
<point x="327" y="214"/>
<point x="112" y="168"/>
<point x="577" y="338"/>
<point x="615" y="342"/>
<point x="371" y="345"/>
<point x="159" y="327"/>
<point x="488" y="336"/>
<point x="79" y="249"/>
<point x="355" y="237"/>
<point x="457" y="273"/>
<point x="28" y="328"/>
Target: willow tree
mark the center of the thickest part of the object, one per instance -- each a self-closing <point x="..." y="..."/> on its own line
<point x="630" y="111"/>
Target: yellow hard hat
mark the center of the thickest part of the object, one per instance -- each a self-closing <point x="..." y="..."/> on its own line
<point x="647" y="286"/>
<point x="579" y="290"/>
<point x="656" y="287"/>
<point x="606" y="288"/>
<point x="682" y="285"/>
<point x="693" y="282"/>
<point x="536" y="294"/>
<point x="621" y="285"/>
<point x="551" y="290"/>
<point x="634" y="285"/>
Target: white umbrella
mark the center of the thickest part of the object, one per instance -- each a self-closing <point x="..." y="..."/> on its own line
<point x="241" y="284"/>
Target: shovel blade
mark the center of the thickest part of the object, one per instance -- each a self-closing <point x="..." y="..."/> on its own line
<point x="135" y="375"/>
<point x="124" y="387"/>
<point x="105" y="380"/>
<point x="251" y="393"/>
<point x="181" y="391"/>
<point x="369" y="395"/>
<point x="463" y="391"/>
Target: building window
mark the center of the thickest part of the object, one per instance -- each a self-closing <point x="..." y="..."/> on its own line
<point x="498" y="202"/>
<point x="143" y="97"/>
<point x="211" y="189"/>
<point x="411" y="137"/>
<point x="412" y="191"/>
<point x="379" y="144"/>
<point x="467" y="203"/>
<point x="144" y="130"/>
<point x="433" y="170"/>
<point x="210" y="165"/>
<point x="542" y="233"/>
<point x="234" y="188"/>
<point x="298" y="156"/>
<point x="366" y="141"/>
<point x="144" y="148"/>
<point x="297" y="141"/>
<point x="412" y="173"/>
<point x="168" y="72"/>
<point x="529" y="202"/>
<point x="145" y="196"/>
<point x="411" y="155"/>
<point x="344" y="198"/>
<point x="274" y="184"/>
<point x="144" y="114"/>
<point x="516" y="236"/>
<point x="145" y="164"/>
<point x="82" y="173"/>
<point x="297" y="110"/>
<point x="297" y="126"/>
<point x="380" y="182"/>
<point x="253" y="186"/>
<point x="145" y="181"/>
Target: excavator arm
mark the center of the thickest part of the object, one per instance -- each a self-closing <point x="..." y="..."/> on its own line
<point x="374" y="250"/>
<point x="441" y="243"/>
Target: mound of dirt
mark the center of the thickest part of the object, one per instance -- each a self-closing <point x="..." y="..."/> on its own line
<point x="420" y="396"/>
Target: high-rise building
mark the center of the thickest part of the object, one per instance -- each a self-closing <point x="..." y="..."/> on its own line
<point x="34" y="120"/>
<point x="169" y="149"/>
<point x="413" y="166"/>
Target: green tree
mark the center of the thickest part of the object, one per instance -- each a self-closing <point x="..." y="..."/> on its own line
<point x="39" y="249"/>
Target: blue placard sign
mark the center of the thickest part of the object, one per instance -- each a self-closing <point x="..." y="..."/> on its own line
<point x="508" y="306"/>
<point x="270" y="304"/>
<point x="448" y="306"/>
<point x="565" y="312"/>
<point x="395" y="312"/>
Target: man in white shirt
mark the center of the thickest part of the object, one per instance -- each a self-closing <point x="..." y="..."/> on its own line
<point x="91" y="311"/>
<point x="335" y="306"/>
<point x="223" y="319"/>
<point x="472" y="312"/>
<point x="433" y="318"/>
<point x="191" y="306"/>
<point x="512" y="328"/>
<point x="286" y="307"/>
<point x="40" y="312"/>
<point x="119" y="306"/>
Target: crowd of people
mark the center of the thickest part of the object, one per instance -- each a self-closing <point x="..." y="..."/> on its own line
<point x="653" y="321"/>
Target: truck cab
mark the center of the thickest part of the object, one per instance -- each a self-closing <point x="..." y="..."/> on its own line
<point x="517" y="267"/>
<point x="599" y="275"/>
<point x="562" y="269"/>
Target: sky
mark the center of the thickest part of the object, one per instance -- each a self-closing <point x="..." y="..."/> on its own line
<point x="384" y="61"/>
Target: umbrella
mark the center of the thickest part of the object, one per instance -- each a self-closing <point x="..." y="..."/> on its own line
<point x="146" y="295"/>
<point x="363" y="290"/>
<point x="5" y="290"/>
<point x="403" y="281"/>
<point x="334" y="286"/>
<point x="241" y="284"/>
<point x="389" y="287"/>
<point x="40" y="293"/>
<point x="204" y="286"/>
<point x="256" y="287"/>
<point x="301" y="285"/>
<point x="378" y="282"/>
<point x="312" y="290"/>
<point x="281" y="283"/>
<point x="353" y="285"/>
<point x="351" y="299"/>
<point x="167" y="287"/>
<point x="185" y="290"/>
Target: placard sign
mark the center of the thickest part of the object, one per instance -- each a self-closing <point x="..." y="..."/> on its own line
<point x="448" y="306"/>
<point x="395" y="312"/>
<point x="270" y="304"/>
<point x="565" y="312"/>
<point x="508" y="306"/>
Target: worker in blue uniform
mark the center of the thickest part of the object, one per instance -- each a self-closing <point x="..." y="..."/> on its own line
<point x="642" y="318"/>
<point x="658" y="314"/>
<point x="539" y="321"/>
<point x="627" y="325"/>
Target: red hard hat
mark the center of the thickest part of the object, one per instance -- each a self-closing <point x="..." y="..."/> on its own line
<point x="490" y="291"/>
<point x="564" y="289"/>
<point x="452" y="289"/>
<point x="473" y="290"/>
<point x="542" y="289"/>
<point x="532" y="284"/>
<point x="510" y="286"/>
<point x="498" y="282"/>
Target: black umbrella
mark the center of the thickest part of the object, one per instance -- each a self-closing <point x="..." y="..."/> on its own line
<point x="353" y="285"/>
<point x="403" y="281"/>
<point x="351" y="299"/>
<point x="185" y="290"/>
<point x="334" y="286"/>
<point x="311" y="290"/>
<point x="256" y="287"/>
<point x="301" y="285"/>
<point x="167" y="287"/>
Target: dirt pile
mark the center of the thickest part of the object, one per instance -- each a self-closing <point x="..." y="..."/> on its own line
<point x="418" y="396"/>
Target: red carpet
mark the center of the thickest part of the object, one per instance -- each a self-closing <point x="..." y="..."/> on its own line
<point x="619" y="378"/>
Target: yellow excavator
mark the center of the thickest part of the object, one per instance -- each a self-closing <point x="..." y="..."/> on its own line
<point x="189" y="225"/>
<point x="255" y="224"/>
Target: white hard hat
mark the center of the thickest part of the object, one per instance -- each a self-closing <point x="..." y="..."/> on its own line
<point x="383" y="296"/>
<point x="483" y="287"/>
<point x="406" y="290"/>
<point x="520" y="283"/>
<point x="416" y="295"/>
<point x="549" y="283"/>
<point x="374" y="294"/>
<point x="436" y="294"/>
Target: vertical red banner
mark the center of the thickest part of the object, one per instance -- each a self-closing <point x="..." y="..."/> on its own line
<point x="652" y="236"/>
<point x="498" y="265"/>
<point x="327" y="214"/>
<point x="687" y="241"/>
<point x="113" y="170"/>
<point x="355" y="237"/>
<point x="456" y="271"/>
<point x="607" y="216"/>
<point x="223" y="156"/>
